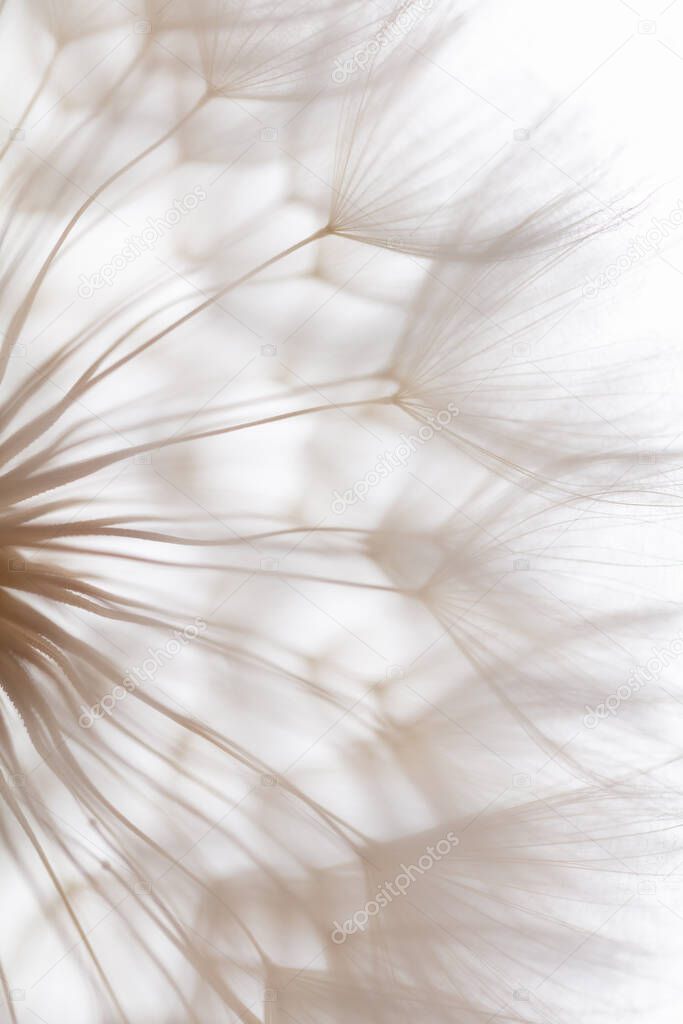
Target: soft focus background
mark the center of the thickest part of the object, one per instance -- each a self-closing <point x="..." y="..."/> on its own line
<point x="384" y="658"/>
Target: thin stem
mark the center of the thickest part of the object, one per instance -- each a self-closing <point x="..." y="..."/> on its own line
<point x="26" y="487"/>
<point x="321" y="233"/>
<point x="22" y="313"/>
<point x="29" y="106"/>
